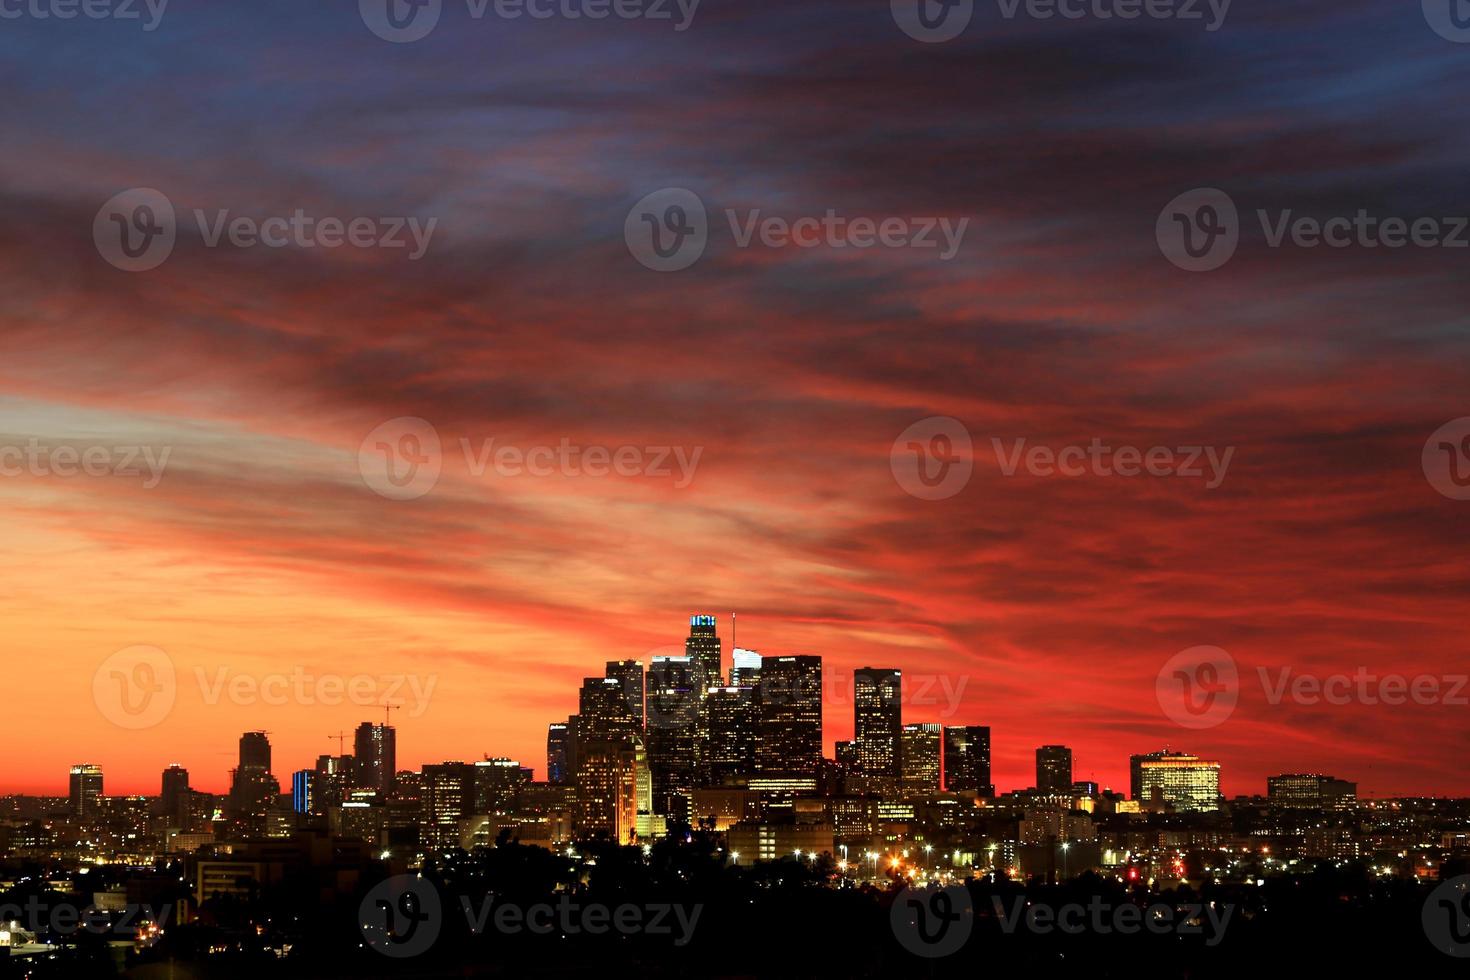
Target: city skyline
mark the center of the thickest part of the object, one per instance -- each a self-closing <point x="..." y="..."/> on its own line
<point x="717" y="666"/>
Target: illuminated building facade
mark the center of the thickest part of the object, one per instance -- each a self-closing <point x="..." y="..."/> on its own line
<point x="920" y="757"/>
<point x="877" y="720"/>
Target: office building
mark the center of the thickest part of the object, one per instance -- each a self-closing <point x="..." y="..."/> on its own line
<point x="673" y="728"/>
<point x="629" y="675"/>
<point x="255" y="751"/>
<point x="705" y="652"/>
<point x="730" y="746"/>
<point x="85" y="789"/>
<point x="745" y="668"/>
<point x="967" y="759"/>
<point x="1185" y="782"/>
<point x="789" y="716"/>
<point x="375" y="748"/>
<point x="446" y="796"/>
<point x="173" y="784"/>
<point x="497" y="784"/>
<point x="1311" y="790"/>
<point x="1054" y="769"/>
<point x="556" y="753"/>
<point x="919" y="755"/>
<point x="877" y="720"/>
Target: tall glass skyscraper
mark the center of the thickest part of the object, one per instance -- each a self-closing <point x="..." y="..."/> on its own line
<point x="375" y="752"/>
<point x="789" y="731"/>
<point x="967" y="759"/>
<point x="877" y="720"/>
<point x="704" y="650"/>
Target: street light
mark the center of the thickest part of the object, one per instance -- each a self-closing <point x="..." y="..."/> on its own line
<point x="1065" y="847"/>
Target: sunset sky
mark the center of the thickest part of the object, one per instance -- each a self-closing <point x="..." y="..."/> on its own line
<point x="1054" y="600"/>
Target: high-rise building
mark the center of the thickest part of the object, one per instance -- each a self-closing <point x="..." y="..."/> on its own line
<point x="673" y="726"/>
<point x="1311" y="790"/>
<point x="375" y="748"/>
<point x="629" y="675"/>
<point x="967" y="759"/>
<point x="1135" y="772"/>
<point x="1054" y="769"/>
<point x="705" y="652"/>
<point x="253" y="790"/>
<point x="85" y="789"/>
<point x="730" y="746"/>
<point x="304" y="795"/>
<point x="255" y="751"/>
<point x="556" y="753"/>
<point x="877" y="720"/>
<point x="497" y="784"/>
<point x="446" y="796"/>
<point x="1185" y="782"/>
<point x="789" y="712"/>
<point x="604" y="710"/>
<point x="745" y="668"/>
<point x="847" y="756"/>
<point x="920" y="756"/>
<point x="615" y="791"/>
<point x="174" y="784"/>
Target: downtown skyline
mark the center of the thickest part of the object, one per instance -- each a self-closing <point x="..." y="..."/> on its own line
<point x="925" y="699"/>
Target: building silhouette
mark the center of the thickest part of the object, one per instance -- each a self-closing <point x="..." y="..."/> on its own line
<point x="877" y="720"/>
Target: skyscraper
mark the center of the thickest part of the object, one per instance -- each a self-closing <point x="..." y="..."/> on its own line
<point x="1186" y="782"/>
<point x="877" y="720"/>
<point x="556" y="753"/>
<point x="673" y="716"/>
<point x="174" y="784"/>
<point x="446" y="796"/>
<point x="1054" y="769"/>
<point x="85" y="789"/>
<point x="920" y="756"/>
<point x="705" y="652"/>
<point x="497" y="784"/>
<point x="615" y="791"/>
<point x="629" y="675"/>
<point x="789" y="729"/>
<point x="745" y="668"/>
<point x="604" y="711"/>
<point x="255" y="751"/>
<point x="730" y="746"/>
<point x="967" y="759"/>
<point x="375" y="749"/>
<point x="304" y="795"/>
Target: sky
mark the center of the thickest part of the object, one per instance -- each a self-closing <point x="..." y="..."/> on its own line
<point x="269" y="556"/>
